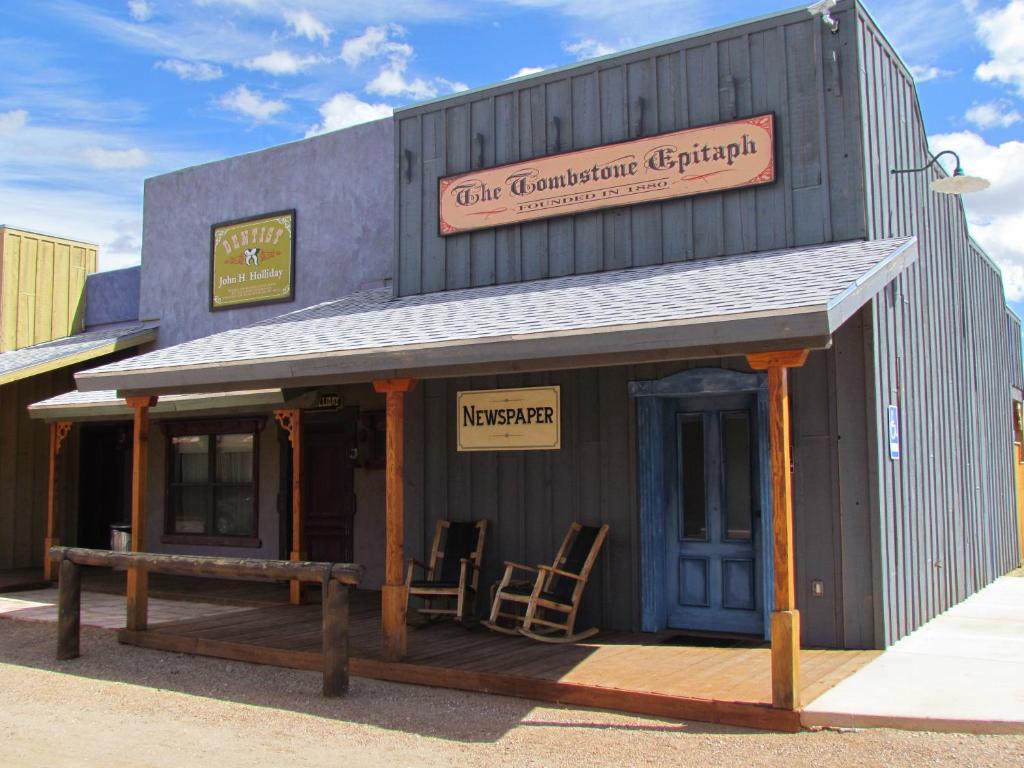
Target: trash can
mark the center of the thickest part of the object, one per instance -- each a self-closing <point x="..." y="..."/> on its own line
<point x="121" y="538"/>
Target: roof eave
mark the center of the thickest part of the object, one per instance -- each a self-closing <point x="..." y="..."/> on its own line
<point x="805" y="327"/>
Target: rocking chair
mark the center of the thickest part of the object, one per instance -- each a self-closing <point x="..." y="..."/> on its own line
<point x="457" y="574"/>
<point x="556" y="589"/>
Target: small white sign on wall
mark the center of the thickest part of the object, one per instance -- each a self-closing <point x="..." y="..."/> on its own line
<point x="894" y="432"/>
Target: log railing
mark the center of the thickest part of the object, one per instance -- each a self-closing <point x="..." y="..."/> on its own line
<point x="335" y="578"/>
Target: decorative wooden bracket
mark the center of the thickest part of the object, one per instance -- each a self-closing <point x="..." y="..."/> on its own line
<point x="63" y="428"/>
<point x="288" y="420"/>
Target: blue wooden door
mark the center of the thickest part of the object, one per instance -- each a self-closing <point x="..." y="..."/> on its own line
<point x="714" y="570"/>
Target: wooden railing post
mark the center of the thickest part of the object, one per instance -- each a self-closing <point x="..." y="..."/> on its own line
<point x="138" y="579"/>
<point x="69" y="609"/>
<point x="335" y="578"/>
<point x="58" y="432"/>
<point x="290" y="420"/>
<point x="394" y="595"/>
<point x="335" y="637"/>
<point x="785" y="618"/>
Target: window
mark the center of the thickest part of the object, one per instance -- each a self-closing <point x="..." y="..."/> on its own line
<point x="212" y="482"/>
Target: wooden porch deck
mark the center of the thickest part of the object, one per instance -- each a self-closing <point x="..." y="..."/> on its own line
<point x="631" y="673"/>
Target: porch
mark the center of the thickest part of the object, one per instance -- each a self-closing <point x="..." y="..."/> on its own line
<point x="652" y="674"/>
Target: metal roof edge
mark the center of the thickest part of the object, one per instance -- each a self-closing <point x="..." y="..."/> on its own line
<point x="116" y="344"/>
<point x="858" y="293"/>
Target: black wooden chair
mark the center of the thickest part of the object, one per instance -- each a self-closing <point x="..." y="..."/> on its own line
<point x="556" y="590"/>
<point x="453" y="571"/>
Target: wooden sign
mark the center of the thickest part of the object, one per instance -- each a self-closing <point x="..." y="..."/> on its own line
<point x="252" y="261"/>
<point x="525" y="419"/>
<point x="691" y="162"/>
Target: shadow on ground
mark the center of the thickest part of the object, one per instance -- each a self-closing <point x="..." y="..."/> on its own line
<point x="437" y="712"/>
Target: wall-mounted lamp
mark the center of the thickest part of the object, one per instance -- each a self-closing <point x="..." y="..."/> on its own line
<point x="823" y="8"/>
<point x="957" y="184"/>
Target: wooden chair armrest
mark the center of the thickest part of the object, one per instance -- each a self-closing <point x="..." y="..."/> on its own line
<point x="414" y="561"/>
<point x="519" y="566"/>
<point x="560" y="572"/>
<point x="468" y="562"/>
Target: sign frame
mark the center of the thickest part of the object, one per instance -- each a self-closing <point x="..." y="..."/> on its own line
<point x="214" y="307"/>
<point x="893" y="431"/>
<point x="461" y="447"/>
<point x="445" y="182"/>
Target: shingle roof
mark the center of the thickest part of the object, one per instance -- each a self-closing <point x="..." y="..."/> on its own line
<point x="50" y="355"/>
<point x="749" y="301"/>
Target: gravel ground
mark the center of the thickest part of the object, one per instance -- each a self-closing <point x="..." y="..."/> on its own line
<point x="125" y="706"/>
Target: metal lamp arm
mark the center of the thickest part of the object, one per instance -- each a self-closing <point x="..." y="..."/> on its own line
<point x="930" y="164"/>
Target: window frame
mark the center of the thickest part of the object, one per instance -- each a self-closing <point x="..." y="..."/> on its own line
<point x="211" y="429"/>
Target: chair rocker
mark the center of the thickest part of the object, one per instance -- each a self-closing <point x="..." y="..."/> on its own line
<point x="556" y="590"/>
<point x="454" y="569"/>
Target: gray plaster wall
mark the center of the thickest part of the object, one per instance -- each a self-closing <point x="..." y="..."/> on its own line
<point x="112" y="297"/>
<point x="341" y="186"/>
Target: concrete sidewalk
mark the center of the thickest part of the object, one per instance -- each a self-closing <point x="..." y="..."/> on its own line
<point x="962" y="671"/>
<point x="101" y="610"/>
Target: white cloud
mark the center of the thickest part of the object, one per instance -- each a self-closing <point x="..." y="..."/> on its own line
<point x="922" y="74"/>
<point x="304" y="24"/>
<point x="191" y="70"/>
<point x="375" y="42"/>
<point x="1002" y="32"/>
<point x="995" y="215"/>
<point x="994" y="114"/>
<point x="252" y="104"/>
<point x="13" y="121"/>
<point x="391" y="80"/>
<point x="343" y="110"/>
<point x="281" y="63"/>
<point x="140" y="10"/>
<point x="116" y="159"/>
<point x="588" y="48"/>
<point x="524" y="71"/>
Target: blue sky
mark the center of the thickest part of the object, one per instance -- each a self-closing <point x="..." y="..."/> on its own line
<point x="97" y="95"/>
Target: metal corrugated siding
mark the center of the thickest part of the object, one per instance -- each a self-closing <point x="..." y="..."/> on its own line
<point x="945" y="508"/>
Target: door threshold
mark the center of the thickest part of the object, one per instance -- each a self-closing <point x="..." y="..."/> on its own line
<point x="704" y="639"/>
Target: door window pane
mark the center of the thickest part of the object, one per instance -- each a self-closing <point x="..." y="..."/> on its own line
<point x="736" y="459"/>
<point x="691" y="473"/>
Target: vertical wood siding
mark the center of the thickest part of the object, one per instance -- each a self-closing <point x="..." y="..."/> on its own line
<point x="943" y="354"/>
<point x="24" y="453"/>
<point x="42" y="286"/>
<point x="783" y="65"/>
<point x="530" y="497"/>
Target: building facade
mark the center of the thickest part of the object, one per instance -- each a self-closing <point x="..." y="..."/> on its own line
<point x="644" y="309"/>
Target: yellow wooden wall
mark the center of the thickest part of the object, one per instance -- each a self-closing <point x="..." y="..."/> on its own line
<point x="42" y="286"/>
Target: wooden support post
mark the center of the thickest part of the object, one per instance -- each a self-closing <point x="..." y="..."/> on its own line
<point x="58" y="432"/>
<point x="290" y="420"/>
<point x="785" y="618"/>
<point x="69" y="609"/>
<point x="138" y="578"/>
<point x="335" y="637"/>
<point x="394" y="594"/>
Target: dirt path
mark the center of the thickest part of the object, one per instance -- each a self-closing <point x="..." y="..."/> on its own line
<point x="126" y="706"/>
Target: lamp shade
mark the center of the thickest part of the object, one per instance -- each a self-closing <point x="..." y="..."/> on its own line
<point x="959" y="184"/>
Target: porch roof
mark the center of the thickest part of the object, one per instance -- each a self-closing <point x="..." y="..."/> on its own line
<point x="60" y="353"/>
<point x="106" y="404"/>
<point x="796" y="297"/>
